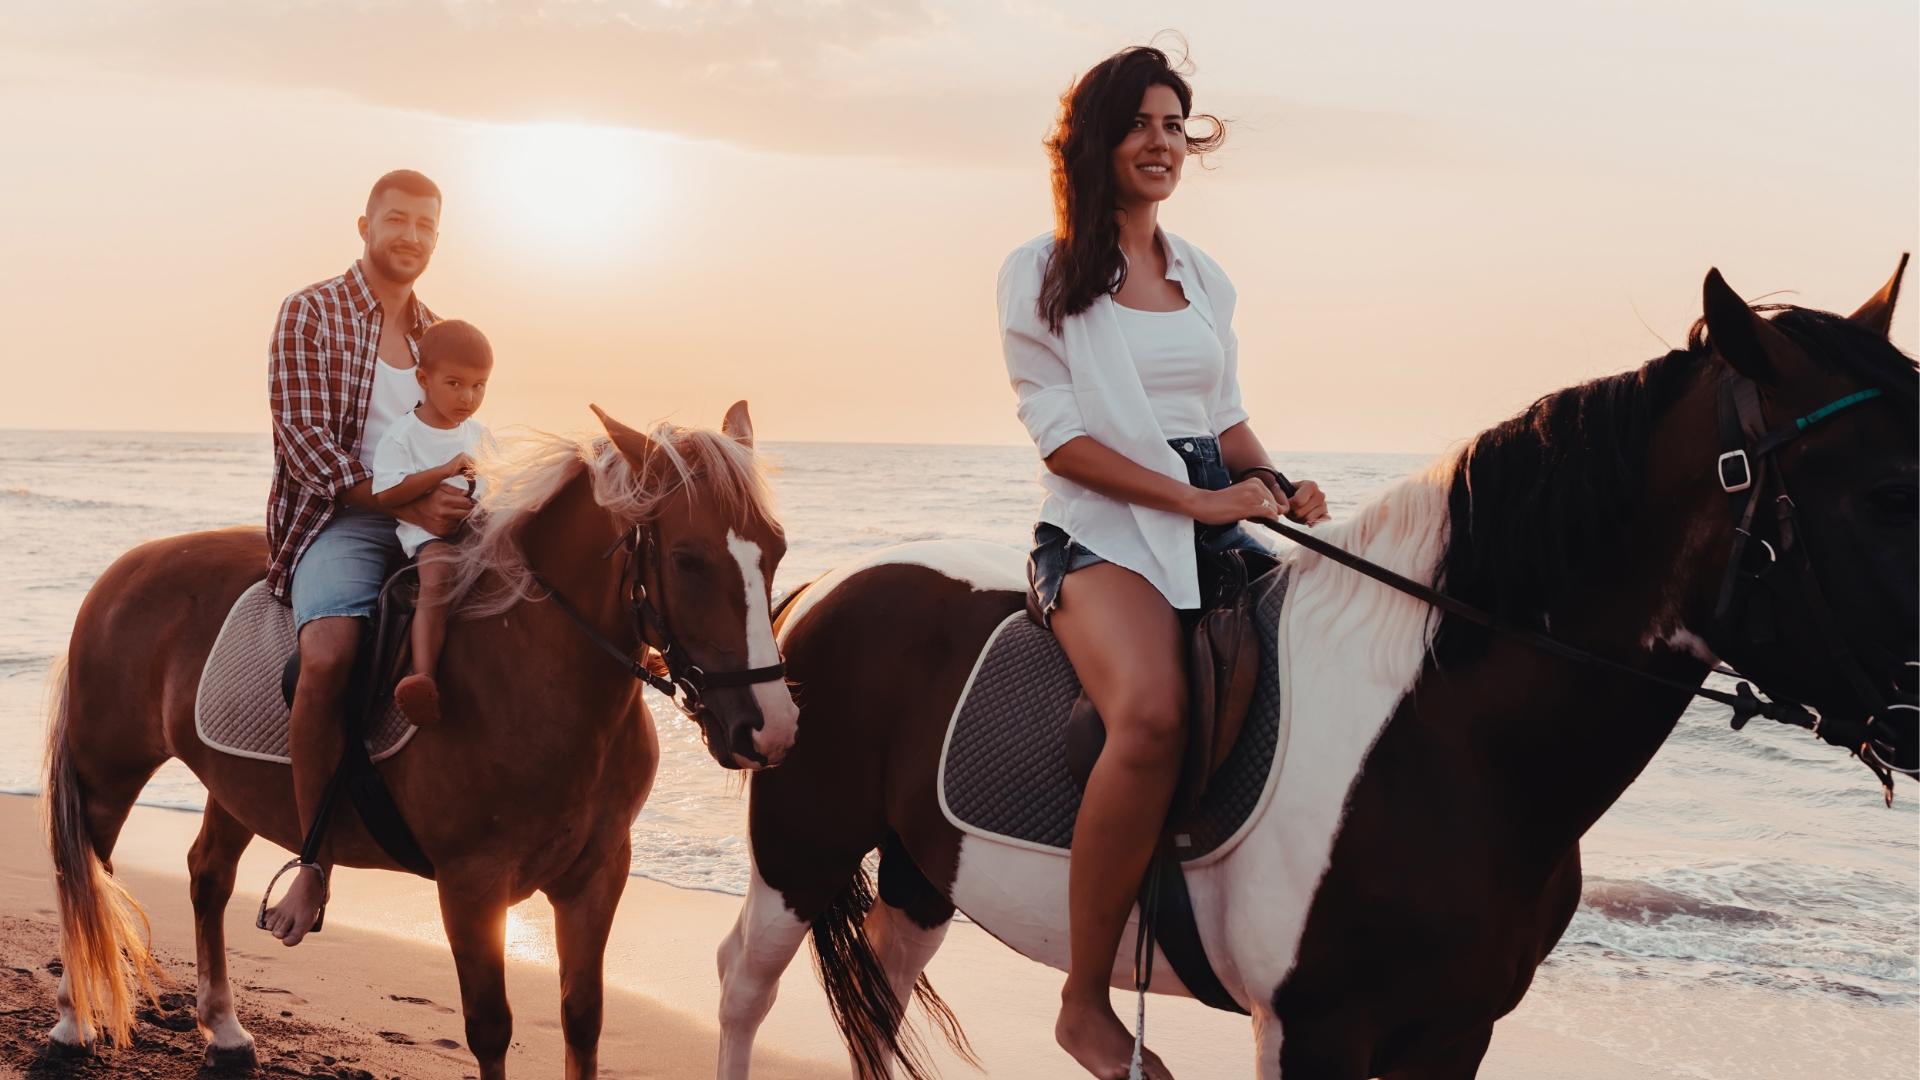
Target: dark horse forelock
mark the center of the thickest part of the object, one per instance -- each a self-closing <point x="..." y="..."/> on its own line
<point x="1536" y="499"/>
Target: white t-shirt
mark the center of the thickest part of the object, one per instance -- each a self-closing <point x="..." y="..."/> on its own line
<point x="1180" y="362"/>
<point x="411" y="447"/>
<point x="395" y="392"/>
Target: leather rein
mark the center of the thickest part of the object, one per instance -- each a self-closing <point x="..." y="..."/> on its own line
<point x="684" y="683"/>
<point x="1745" y="471"/>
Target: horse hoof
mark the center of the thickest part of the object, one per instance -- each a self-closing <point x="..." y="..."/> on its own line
<point x="60" y="1050"/>
<point x="232" y="1058"/>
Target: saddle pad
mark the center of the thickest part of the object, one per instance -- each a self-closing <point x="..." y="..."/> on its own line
<point x="1003" y="771"/>
<point x="239" y="709"/>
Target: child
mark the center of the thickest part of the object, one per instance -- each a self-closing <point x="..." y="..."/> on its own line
<point x="431" y="445"/>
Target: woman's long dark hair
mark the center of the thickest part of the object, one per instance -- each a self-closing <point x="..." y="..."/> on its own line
<point x="1095" y="117"/>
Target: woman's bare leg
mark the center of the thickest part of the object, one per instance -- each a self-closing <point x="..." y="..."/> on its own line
<point x="1124" y="641"/>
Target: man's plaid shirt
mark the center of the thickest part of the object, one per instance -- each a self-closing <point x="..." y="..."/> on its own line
<point x="320" y="368"/>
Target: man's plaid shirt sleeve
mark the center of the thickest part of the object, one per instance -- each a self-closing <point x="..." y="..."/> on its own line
<point x="297" y="387"/>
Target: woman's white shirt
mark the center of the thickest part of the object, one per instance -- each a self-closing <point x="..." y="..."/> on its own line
<point x="1084" y="381"/>
<point x="1180" y="362"/>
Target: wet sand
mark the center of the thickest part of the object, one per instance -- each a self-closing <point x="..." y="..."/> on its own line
<point x="375" y="995"/>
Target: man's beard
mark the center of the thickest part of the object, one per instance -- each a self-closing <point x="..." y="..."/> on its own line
<point x="382" y="260"/>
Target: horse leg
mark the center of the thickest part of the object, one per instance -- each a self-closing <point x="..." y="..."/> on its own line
<point x="476" y="928"/>
<point x="762" y="944"/>
<point x="1460" y="1061"/>
<point x="211" y="865"/>
<point x="906" y="926"/>
<point x="583" y="910"/>
<point x="1325" y="1050"/>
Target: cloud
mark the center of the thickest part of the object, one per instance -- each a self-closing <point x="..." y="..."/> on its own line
<point x="888" y="78"/>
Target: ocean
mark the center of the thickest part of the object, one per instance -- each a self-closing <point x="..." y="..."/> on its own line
<point x="1760" y="860"/>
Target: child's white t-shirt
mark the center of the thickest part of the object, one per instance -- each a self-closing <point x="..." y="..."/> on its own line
<point x="410" y="447"/>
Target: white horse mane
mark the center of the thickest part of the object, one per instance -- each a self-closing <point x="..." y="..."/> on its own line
<point x="520" y="481"/>
<point x="1404" y="530"/>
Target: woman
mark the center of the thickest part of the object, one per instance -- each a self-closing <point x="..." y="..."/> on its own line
<point x="1119" y="344"/>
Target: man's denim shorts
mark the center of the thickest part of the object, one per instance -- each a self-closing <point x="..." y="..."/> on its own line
<point x="341" y="572"/>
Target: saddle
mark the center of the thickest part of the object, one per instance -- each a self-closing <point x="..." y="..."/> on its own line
<point x="1223" y="669"/>
<point x="245" y="699"/>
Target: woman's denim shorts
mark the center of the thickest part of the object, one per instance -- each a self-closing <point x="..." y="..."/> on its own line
<point x="1056" y="554"/>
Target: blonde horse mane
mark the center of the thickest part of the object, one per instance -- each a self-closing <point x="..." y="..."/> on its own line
<point x="520" y="481"/>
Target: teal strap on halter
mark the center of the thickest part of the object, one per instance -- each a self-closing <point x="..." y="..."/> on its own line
<point x="1825" y="411"/>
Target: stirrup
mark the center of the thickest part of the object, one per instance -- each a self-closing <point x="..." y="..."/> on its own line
<point x="326" y="893"/>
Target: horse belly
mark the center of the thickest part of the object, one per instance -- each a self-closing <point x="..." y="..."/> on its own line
<point x="1019" y="895"/>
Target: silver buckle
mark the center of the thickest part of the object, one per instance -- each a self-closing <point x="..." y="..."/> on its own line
<point x="1728" y="481"/>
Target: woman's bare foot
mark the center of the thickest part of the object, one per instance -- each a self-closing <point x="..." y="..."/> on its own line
<point x="419" y="698"/>
<point x="293" y="917"/>
<point x="1100" y="1042"/>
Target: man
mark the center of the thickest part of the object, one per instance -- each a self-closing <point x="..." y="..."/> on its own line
<point x="340" y="371"/>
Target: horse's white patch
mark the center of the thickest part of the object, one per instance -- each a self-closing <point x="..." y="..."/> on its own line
<point x="764" y="939"/>
<point x="984" y="566"/>
<point x="779" y="716"/>
<point x="1019" y="894"/>
<point x="1352" y="649"/>
<point x="1682" y="640"/>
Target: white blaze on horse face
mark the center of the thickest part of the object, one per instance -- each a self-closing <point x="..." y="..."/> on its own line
<point x="779" y="717"/>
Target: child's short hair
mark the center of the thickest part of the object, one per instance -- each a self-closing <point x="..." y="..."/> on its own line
<point x="454" y="341"/>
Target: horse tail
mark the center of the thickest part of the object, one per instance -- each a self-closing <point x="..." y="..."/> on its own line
<point x="104" y="933"/>
<point x="861" y="999"/>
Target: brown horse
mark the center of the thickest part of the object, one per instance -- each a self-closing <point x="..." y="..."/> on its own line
<point x="531" y="783"/>
<point x="1418" y="855"/>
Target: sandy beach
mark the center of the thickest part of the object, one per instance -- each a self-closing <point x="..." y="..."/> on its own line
<point x="375" y="994"/>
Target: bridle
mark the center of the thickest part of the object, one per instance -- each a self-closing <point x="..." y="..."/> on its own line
<point x="684" y="683"/>
<point x="1747" y="469"/>
<point x="1762" y="573"/>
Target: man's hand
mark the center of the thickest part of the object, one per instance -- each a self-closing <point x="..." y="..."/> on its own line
<point x="439" y="511"/>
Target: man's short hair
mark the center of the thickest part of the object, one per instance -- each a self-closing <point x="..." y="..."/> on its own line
<point x="454" y="341"/>
<point x="405" y="180"/>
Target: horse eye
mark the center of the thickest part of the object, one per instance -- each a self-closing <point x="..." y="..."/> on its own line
<point x="689" y="564"/>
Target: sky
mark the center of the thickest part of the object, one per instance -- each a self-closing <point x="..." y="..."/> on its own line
<point x="1433" y="213"/>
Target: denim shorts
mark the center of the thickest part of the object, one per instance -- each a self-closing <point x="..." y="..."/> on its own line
<point x="341" y="572"/>
<point x="1056" y="554"/>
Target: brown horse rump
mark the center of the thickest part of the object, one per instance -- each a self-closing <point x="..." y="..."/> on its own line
<point x="1004" y="773"/>
<point x="240" y="708"/>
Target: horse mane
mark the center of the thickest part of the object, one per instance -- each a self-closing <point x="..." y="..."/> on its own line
<point x="491" y="574"/>
<point x="1534" y="501"/>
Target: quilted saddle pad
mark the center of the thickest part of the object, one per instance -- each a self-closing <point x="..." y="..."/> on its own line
<point x="239" y="709"/>
<point x="1003" y="771"/>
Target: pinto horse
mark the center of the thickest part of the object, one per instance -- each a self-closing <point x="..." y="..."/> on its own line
<point x="530" y="784"/>
<point x="1422" y="751"/>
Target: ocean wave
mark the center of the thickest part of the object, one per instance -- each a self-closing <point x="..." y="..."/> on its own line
<point x="1764" y="925"/>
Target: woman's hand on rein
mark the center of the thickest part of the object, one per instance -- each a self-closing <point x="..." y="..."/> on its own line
<point x="1249" y="498"/>
<point x="1309" y="506"/>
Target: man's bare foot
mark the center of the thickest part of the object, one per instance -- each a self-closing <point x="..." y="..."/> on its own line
<point x="1100" y="1042"/>
<point x="419" y="698"/>
<point x="293" y="917"/>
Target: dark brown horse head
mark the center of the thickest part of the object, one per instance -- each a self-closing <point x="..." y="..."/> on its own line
<point x="1842" y="636"/>
<point x="709" y="547"/>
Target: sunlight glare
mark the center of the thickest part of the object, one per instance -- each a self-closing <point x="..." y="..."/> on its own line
<point x="573" y="187"/>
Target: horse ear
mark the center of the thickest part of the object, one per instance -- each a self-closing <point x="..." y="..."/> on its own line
<point x="1747" y="342"/>
<point x="636" y="446"/>
<point x="738" y="424"/>
<point x="1877" y="313"/>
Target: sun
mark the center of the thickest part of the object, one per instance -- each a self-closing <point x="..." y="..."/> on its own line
<point x="573" y="186"/>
